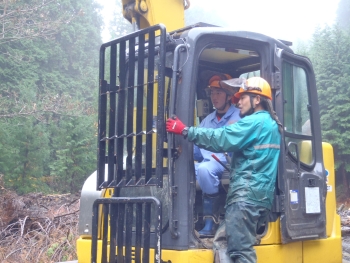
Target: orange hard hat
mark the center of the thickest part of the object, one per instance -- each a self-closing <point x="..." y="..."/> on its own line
<point x="214" y="80"/>
<point x="255" y="85"/>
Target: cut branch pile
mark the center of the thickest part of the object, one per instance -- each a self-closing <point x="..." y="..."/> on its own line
<point x="344" y="213"/>
<point x="37" y="227"/>
<point x="44" y="228"/>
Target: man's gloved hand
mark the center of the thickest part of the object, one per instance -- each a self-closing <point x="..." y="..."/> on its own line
<point x="174" y="125"/>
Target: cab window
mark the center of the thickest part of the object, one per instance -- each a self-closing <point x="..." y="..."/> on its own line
<point x="297" y="116"/>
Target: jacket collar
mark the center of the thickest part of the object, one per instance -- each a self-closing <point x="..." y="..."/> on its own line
<point x="227" y="115"/>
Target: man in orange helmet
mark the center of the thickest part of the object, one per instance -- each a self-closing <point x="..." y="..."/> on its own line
<point x="255" y="142"/>
<point x="208" y="170"/>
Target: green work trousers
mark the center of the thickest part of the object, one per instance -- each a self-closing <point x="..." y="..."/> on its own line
<point x="240" y="229"/>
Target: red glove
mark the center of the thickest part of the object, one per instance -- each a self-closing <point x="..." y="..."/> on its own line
<point x="175" y="126"/>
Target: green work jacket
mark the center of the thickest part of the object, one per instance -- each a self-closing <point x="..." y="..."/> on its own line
<point x="255" y="142"/>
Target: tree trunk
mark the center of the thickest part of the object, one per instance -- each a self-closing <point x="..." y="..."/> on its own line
<point x="345" y="180"/>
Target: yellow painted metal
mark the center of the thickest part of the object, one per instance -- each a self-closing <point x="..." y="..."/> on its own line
<point x="270" y="248"/>
<point x="324" y="250"/>
<point x="331" y="215"/>
<point x="189" y="256"/>
<point x="305" y="152"/>
<point x="184" y="256"/>
<point x="327" y="250"/>
<point x="84" y="250"/>
<point x="287" y="253"/>
<point x="152" y="12"/>
<point x="272" y="235"/>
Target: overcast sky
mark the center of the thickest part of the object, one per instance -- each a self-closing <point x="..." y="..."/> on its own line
<point x="293" y="20"/>
<point x="289" y="20"/>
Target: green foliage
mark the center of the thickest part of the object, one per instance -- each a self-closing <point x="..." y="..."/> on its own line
<point x="51" y="250"/>
<point x="25" y="155"/>
<point x="331" y="60"/>
<point x="74" y="154"/>
<point x="48" y="97"/>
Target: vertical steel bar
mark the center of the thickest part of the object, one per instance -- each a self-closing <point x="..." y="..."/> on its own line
<point x="130" y="108"/>
<point x="128" y="232"/>
<point x="149" y="113"/>
<point x="160" y="110"/>
<point x="113" y="231"/>
<point x="102" y="112"/>
<point x="146" y="233"/>
<point x="138" y="233"/>
<point x="94" y="232"/>
<point x="121" y="112"/>
<point x="158" y="250"/>
<point x="105" y="208"/>
<point x="120" y="232"/>
<point x="171" y="138"/>
<point x="139" y="103"/>
<point x="112" y="111"/>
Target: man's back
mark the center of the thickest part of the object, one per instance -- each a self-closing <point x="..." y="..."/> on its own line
<point x="256" y="161"/>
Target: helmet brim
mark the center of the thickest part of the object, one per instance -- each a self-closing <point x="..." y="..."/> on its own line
<point x="232" y="85"/>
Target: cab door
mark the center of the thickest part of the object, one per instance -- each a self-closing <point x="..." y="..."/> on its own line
<point x="301" y="187"/>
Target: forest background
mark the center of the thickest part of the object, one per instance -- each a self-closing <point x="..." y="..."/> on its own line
<point x="49" y="82"/>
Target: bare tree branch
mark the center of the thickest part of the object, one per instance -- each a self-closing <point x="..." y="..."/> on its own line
<point x="20" y="20"/>
<point x="60" y="105"/>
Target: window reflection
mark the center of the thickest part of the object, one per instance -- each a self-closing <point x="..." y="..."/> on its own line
<point x="296" y="111"/>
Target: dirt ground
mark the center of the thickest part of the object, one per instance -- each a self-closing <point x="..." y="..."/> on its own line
<point x="44" y="228"/>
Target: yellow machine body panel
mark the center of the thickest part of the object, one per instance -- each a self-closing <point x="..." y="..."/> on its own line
<point x="270" y="248"/>
<point x="327" y="250"/>
<point x="317" y="251"/>
<point x="332" y="218"/>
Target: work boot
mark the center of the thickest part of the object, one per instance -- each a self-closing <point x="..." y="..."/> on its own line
<point x="210" y="215"/>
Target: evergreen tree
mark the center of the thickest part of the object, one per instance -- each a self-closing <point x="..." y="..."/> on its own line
<point x="75" y="153"/>
<point x="24" y="157"/>
<point x="48" y="96"/>
<point x="331" y="59"/>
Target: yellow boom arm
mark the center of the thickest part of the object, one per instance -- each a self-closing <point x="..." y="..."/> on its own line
<point x="145" y="13"/>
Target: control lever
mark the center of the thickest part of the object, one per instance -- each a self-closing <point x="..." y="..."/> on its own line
<point x="220" y="162"/>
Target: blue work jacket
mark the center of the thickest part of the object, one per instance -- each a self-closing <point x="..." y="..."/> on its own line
<point x="211" y="121"/>
<point x="255" y="142"/>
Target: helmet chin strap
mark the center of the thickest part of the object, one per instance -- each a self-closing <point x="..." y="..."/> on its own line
<point x="224" y="106"/>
